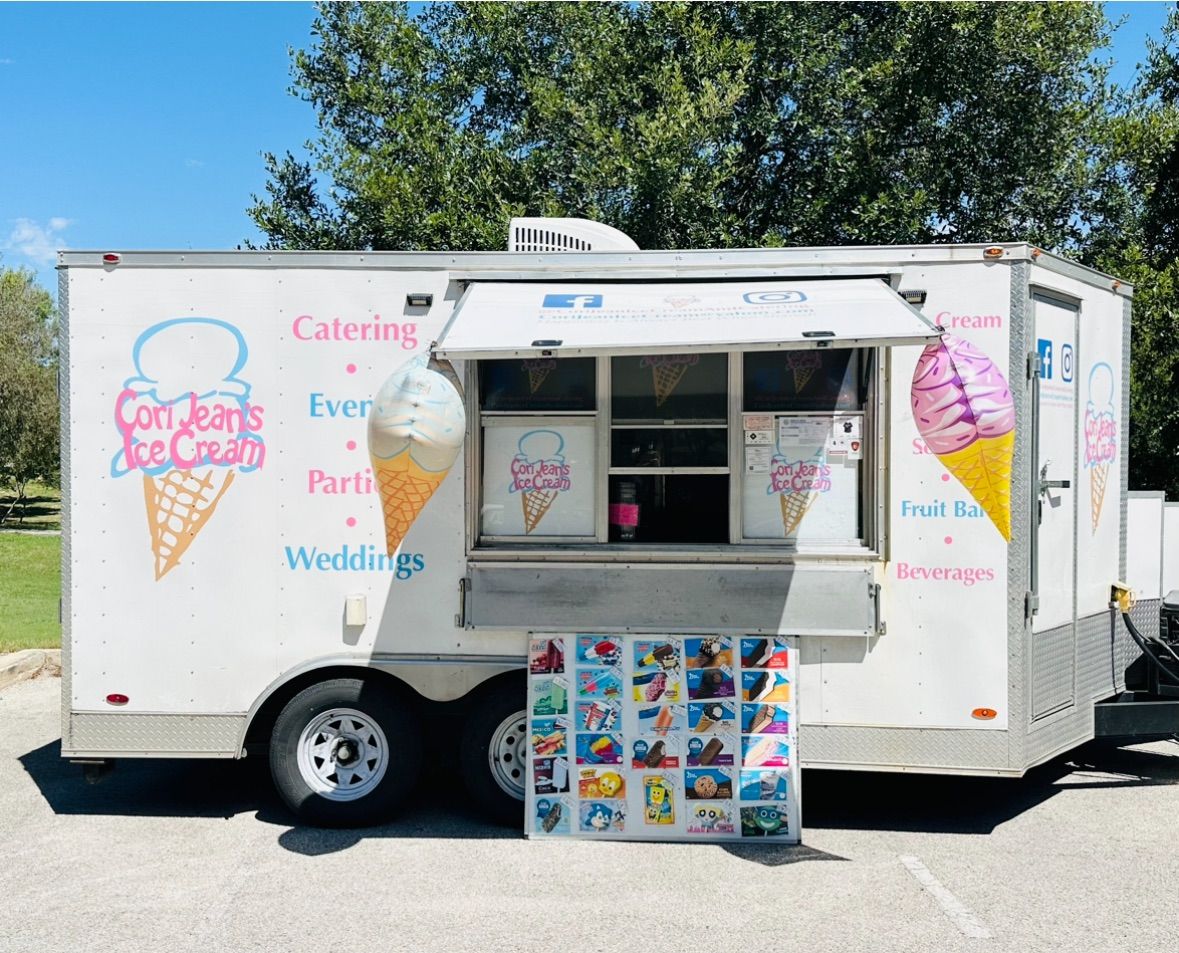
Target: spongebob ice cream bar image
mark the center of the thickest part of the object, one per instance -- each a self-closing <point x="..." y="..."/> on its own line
<point x="909" y="463"/>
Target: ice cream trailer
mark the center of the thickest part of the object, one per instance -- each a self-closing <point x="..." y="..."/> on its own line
<point x="317" y="503"/>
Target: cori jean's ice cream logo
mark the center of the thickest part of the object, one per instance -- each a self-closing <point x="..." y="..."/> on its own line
<point x="667" y="370"/>
<point x="188" y="426"/>
<point x="539" y="474"/>
<point x="1101" y="437"/>
<point x="798" y="484"/>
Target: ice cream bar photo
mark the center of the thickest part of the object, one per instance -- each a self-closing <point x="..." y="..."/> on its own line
<point x="711" y="751"/>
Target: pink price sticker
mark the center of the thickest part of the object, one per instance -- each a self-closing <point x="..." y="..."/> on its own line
<point x="624" y="514"/>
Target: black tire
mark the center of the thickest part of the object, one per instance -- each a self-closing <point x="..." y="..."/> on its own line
<point x="501" y="700"/>
<point x="392" y="713"/>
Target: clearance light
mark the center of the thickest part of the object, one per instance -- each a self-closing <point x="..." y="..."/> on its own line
<point x="115" y="698"/>
<point x="993" y="251"/>
<point x="419" y="300"/>
<point x="983" y="714"/>
<point x="110" y="258"/>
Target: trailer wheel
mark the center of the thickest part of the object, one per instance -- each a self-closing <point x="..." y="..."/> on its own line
<point x="494" y="752"/>
<point x="345" y="753"/>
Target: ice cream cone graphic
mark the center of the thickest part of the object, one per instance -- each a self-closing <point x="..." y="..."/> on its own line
<point x="963" y="409"/>
<point x="536" y="503"/>
<point x="803" y="365"/>
<point x="415" y="433"/>
<point x="539" y="474"/>
<point x="538" y="372"/>
<point x="667" y="370"/>
<point x="798" y="484"/>
<point x="188" y="427"/>
<point x="1098" y="479"/>
<point x="179" y="504"/>
<point x="794" y="508"/>
<point x="1101" y="438"/>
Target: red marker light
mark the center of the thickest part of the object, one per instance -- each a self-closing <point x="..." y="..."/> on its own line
<point x="115" y="698"/>
<point x="110" y="258"/>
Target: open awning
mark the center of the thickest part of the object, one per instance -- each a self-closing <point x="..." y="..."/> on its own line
<point x="495" y="319"/>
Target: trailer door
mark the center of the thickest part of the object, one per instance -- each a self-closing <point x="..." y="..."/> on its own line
<point x="1054" y="511"/>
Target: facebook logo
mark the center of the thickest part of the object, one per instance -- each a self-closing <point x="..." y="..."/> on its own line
<point x="1045" y="348"/>
<point x="572" y="301"/>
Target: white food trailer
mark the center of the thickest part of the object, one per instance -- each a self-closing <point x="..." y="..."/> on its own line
<point x="690" y="442"/>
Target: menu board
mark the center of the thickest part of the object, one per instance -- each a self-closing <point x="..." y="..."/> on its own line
<point x="683" y="738"/>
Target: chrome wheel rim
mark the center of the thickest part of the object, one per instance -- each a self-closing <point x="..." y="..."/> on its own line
<point x="507" y="754"/>
<point x="342" y="754"/>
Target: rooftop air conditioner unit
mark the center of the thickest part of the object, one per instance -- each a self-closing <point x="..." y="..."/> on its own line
<point x="565" y="234"/>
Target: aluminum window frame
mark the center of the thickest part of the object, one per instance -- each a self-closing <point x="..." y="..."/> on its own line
<point x="598" y="548"/>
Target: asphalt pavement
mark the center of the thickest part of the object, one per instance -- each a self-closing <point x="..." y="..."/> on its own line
<point x="179" y="856"/>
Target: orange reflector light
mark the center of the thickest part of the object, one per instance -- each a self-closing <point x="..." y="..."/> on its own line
<point x="114" y="698"/>
<point x="994" y="251"/>
<point x="983" y="714"/>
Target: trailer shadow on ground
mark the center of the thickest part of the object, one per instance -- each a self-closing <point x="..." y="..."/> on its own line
<point x="439" y="808"/>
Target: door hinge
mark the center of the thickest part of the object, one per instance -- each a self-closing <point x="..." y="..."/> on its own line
<point x="1034" y="365"/>
<point x="460" y="619"/>
<point x="874" y="595"/>
<point x="1031" y="605"/>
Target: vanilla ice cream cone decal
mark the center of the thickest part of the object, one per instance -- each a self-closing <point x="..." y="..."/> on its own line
<point x="539" y="474"/>
<point x="963" y="409"/>
<point x="1101" y="437"/>
<point x="188" y="427"/>
<point x="415" y="432"/>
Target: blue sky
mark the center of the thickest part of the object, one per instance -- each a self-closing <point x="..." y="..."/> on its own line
<point x="140" y="125"/>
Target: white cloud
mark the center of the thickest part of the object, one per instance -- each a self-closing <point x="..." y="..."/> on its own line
<point x="39" y="244"/>
<point x="194" y="163"/>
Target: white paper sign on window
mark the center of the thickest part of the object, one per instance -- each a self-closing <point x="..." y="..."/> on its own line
<point x="538" y="480"/>
<point x="807" y="495"/>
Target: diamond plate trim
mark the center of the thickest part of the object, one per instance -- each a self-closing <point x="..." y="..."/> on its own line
<point x="136" y="734"/>
<point x="1019" y="571"/>
<point x="1052" y="671"/>
<point x="942" y="750"/>
<point x="63" y="402"/>
<point x="1104" y="649"/>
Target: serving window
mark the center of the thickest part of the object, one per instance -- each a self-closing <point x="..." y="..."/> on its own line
<point x="761" y="448"/>
<point x="805" y="441"/>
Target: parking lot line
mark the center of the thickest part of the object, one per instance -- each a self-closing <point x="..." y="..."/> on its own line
<point x="962" y="918"/>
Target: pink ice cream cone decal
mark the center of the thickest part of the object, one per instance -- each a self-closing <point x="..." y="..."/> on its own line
<point x="1101" y="438"/>
<point x="963" y="409"/>
<point x="797" y="484"/>
<point x="803" y="365"/>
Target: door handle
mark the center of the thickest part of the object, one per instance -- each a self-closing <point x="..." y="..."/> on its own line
<point x="1046" y="484"/>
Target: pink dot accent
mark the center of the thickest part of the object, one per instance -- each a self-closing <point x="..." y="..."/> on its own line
<point x="949" y="539"/>
<point x="351" y="444"/>
<point x="945" y="478"/>
<point x="351" y="521"/>
<point x="351" y="368"/>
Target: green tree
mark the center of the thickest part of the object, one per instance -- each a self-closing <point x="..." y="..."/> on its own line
<point x="698" y="125"/>
<point x="29" y="429"/>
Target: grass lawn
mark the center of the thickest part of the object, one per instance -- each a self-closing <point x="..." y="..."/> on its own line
<point x="30" y="586"/>
<point x="42" y="509"/>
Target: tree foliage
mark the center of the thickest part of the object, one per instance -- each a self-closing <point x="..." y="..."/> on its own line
<point x="29" y="430"/>
<point x="698" y="125"/>
<point x="716" y="125"/>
